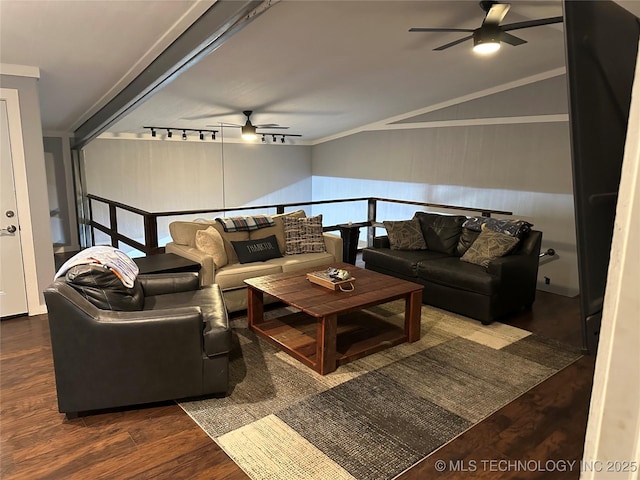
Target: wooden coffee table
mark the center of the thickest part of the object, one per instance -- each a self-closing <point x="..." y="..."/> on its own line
<point x="331" y="327"/>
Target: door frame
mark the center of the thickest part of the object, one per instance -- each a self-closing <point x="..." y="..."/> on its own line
<point x="21" y="183"/>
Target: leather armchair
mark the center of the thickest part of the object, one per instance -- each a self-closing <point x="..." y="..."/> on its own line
<point x="176" y="347"/>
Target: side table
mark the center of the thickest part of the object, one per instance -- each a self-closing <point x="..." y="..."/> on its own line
<point x="166" y="263"/>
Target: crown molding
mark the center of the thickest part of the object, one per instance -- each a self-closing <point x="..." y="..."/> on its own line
<point x="19" y="70"/>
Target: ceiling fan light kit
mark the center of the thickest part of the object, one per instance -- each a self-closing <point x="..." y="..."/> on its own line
<point x="486" y="42"/>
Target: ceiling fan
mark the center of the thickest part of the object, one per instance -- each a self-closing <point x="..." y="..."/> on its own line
<point x="487" y="37"/>
<point x="249" y="129"/>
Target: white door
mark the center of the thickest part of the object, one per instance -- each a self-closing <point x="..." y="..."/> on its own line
<point x="13" y="293"/>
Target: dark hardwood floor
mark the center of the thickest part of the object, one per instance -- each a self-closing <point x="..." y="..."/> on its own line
<point x="161" y="441"/>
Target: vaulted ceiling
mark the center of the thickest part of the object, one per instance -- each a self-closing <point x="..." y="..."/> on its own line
<point x="322" y="68"/>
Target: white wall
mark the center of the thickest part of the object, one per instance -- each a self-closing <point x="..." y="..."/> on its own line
<point x="170" y="175"/>
<point x="522" y="168"/>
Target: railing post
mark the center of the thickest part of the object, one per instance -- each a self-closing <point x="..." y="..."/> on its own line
<point x="89" y="226"/>
<point x="372" y="208"/>
<point x="113" y="225"/>
<point x="150" y="234"/>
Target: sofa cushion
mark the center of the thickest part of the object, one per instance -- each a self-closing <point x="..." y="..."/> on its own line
<point x="441" y="232"/>
<point x="303" y="235"/>
<point x="277" y="229"/>
<point x="210" y="242"/>
<point x="403" y="262"/>
<point x="467" y="237"/>
<point x="405" y="235"/>
<point x="104" y="289"/>
<point x="290" y="263"/>
<point x="217" y="334"/>
<point x="488" y="246"/>
<point x="258" y="250"/>
<point x="227" y="238"/>
<point x="450" y="271"/>
<point x="233" y="275"/>
<point x="184" y="233"/>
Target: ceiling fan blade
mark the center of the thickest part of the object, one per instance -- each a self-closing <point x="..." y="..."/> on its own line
<point x="441" y="29"/>
<point x="198" y="117"/>
<point x="225" y="124"/>
<point x="496" y="13"/>
<point x="531" y="23"/>
<point x="271" y="125"/>
<point x="511" y="39"/>
<point x="442" y="47"/>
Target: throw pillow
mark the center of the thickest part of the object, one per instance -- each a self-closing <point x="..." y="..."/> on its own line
<point x="210" y="242"/>
<point x="405" y="235"/>
<point x="277" y="229"/>
<point x="488" y="246"/>
<point x="303" y="235"/>
<point x="259" y="250"/>
<point x="441" y="232"/>
<point x="100" y="286"/>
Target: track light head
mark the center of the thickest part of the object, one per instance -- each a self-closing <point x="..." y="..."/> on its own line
<point x="282" y="139"/>
<point x="213" y="135"/>
<point x="184" y="134"/>
<point x="153" y="132"/>
<point x="201" y="135"/>
<point x="169" y="133"/>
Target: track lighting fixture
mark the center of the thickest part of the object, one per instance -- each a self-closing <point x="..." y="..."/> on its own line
<point x="248" y="132"/>
<point x="200" y="131"/>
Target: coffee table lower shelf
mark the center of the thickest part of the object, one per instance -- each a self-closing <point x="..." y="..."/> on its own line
<point x="358" y="334"/>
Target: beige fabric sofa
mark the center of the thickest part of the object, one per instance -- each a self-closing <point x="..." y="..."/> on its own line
<point x="231" y="276"/>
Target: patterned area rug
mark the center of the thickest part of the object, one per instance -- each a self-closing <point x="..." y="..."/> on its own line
<point x="378" y="416"/>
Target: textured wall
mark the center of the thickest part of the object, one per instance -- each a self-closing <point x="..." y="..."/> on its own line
<point x="523" y="168"/>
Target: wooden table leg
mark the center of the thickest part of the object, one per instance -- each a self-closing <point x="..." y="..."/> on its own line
<point x="326" y="344"/>
<point x="412" y="316"/>
<point x="255" y="306"/>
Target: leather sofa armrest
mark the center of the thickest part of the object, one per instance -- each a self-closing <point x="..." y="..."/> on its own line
<point x="217" y="334"/>
<point x="163" y="283"/>
<point x="514" y="269"/>
<point x="381" y="242"/>
<point x="208" y="267"/>
<point x="333" y="244"/>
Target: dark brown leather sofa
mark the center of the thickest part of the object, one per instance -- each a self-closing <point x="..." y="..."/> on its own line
<point x="506" y="285"/>
<point x="174" y="343"/>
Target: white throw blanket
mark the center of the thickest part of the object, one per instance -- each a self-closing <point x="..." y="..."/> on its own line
<point x="115" y="260"/>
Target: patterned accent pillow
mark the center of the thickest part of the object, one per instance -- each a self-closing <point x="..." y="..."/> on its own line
<point x="405" y="235"/>
<point x="303" y="235"/>
<point x="488" y="246"/>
